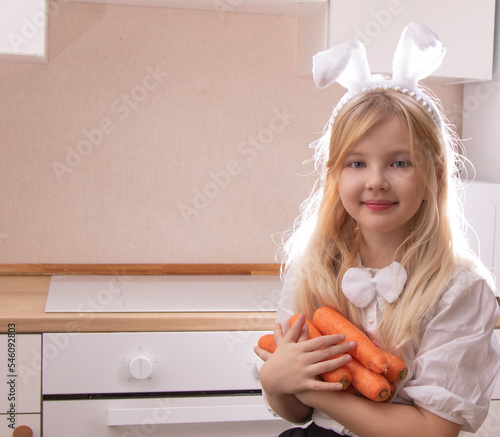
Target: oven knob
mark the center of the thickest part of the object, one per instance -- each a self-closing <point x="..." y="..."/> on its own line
<point x="140" y="367"/>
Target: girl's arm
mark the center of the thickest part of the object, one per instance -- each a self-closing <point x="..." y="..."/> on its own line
<point x="367" y="418"/>
<point x="294" y="366"/>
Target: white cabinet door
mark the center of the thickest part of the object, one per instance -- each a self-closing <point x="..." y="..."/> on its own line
<point x="20" y="370"/>
<point x="24" y="30"/>
<point x="465" y="27"/>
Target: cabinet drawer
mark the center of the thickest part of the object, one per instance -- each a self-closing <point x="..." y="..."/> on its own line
<point x="33" y="421"/>
<point x="20" y="364"/>
<point x="20" y="372"/>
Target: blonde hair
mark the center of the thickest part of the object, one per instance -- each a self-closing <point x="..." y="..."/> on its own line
<point x="325" y="241"/>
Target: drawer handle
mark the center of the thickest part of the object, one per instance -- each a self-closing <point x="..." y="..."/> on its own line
<point x="22" y="431"/>
<point x="194" y="414"/>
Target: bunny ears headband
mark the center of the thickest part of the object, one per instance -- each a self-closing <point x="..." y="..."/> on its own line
<point x="418" y="54"/>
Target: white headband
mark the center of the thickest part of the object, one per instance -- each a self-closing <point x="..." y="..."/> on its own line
<point x="418" y="54"/>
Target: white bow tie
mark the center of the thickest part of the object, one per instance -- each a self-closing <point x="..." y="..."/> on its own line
<point x="360" y="287"/>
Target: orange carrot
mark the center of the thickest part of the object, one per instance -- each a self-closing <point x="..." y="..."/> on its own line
<point x="340" y="374"/>
<point x="267" y="343"/>
<point x="313" y="331"/>
<point x="351" y="389"/>
<point x="396" y="370"/>
<point x="329" y="321"/>
<point x="370" y="384"/>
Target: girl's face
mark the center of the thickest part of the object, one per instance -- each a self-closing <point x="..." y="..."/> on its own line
<point x="378" y="184"/>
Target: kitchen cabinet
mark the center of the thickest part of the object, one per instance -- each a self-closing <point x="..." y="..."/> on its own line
<point x="20" y="367"/>
<point x="24" y="30"/>
<point x="466" y="28"/>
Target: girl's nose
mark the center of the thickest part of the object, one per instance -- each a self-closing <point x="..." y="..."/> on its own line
<point x="377" y="180"/>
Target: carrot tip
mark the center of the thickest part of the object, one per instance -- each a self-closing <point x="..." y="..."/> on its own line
<point x="383" y="395"/>
<point x="345" y="383"/>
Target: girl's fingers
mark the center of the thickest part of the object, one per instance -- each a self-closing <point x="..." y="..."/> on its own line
<point x="325" y="341"/>
<point x="296" y="329"/>
<point x="325" y="386"/>
<point x="330" y="364"/>
<point x="278" y="334"/>
<point x="304" y="334"/>
<point x="261" y="353"/>
<point x="317" y="384"/>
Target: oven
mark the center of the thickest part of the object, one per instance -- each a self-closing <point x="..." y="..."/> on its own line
<point x="154" y="384"/>
<point x="183" y="383"/>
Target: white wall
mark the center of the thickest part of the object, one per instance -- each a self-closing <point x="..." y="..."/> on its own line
<point x="105" y="149"/>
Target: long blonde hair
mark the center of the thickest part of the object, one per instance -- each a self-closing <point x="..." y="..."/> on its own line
<point x="325" y="241"/>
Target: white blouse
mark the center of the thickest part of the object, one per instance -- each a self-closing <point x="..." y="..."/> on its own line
<point x="453" y="372"/>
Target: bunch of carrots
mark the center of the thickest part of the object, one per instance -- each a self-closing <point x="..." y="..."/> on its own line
<point x="371" y="372"/>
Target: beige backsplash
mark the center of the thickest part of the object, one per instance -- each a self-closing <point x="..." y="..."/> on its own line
<point x="159" y="136"/>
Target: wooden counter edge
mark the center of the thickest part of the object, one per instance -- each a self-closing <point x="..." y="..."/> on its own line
<point x="138" y="269"/>
<point x="73" y="323"/>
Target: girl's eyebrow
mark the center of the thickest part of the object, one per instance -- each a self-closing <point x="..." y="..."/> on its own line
<point x="391" y="153"/>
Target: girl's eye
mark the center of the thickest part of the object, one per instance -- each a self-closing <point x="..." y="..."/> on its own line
<point x="401" y="164"/>
<point x="356" y="164"/>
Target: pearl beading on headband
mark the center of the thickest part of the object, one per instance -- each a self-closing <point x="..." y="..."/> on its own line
<point x="386" y="87"/>
<point x="418" y="54"/>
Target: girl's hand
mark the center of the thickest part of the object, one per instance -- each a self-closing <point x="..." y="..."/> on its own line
<point x="297" y="361"/>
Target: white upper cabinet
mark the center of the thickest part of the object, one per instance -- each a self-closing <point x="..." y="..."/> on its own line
<point x="23" y="35"/>
<point x="466" y="28"/>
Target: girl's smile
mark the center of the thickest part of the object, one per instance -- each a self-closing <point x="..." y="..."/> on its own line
<point x="378" y="184"/>
<point x="379" y="205"/>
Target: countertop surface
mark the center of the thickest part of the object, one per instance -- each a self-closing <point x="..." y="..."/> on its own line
<point x="23" y="299"/>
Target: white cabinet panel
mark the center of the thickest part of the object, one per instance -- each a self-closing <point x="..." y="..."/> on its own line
<point x="24" y="30"/>
<point x="465" y="27"/>
<point x="159" y="417"/>
<point x="20" y="403"/>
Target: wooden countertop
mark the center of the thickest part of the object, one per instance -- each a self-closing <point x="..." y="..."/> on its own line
<point x="23" y="294"/>
<point x="23" y="298"/>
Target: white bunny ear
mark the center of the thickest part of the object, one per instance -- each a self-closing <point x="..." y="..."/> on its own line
<point x="345" y="63"/>
<point x="419" y="53"/>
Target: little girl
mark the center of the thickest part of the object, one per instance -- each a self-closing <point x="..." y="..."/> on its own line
<point x="385" y="210"/>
